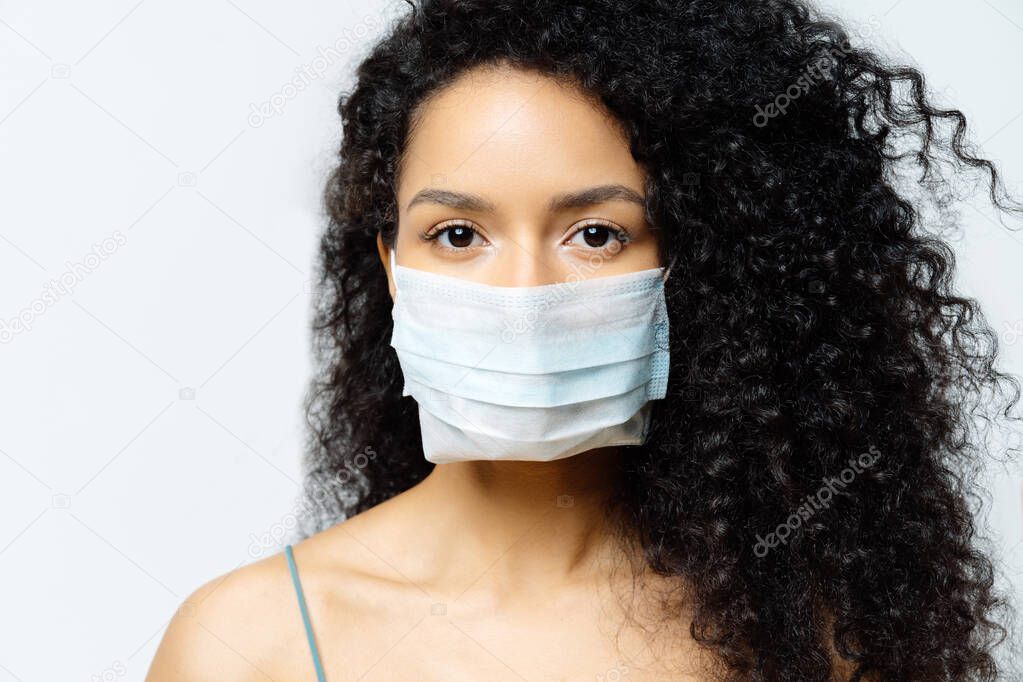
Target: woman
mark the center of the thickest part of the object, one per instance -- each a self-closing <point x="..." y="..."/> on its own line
<point x="636" y="365"/>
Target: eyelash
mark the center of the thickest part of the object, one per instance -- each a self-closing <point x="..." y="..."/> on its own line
<point x="434" y="235"/>
<point x="619" y="233"/>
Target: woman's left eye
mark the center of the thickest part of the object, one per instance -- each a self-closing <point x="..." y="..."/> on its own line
<point x="598" y="236"/>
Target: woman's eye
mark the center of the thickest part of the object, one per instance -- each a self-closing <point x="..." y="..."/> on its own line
<point x="597" y="236"/>
<point x="456" y="237"/>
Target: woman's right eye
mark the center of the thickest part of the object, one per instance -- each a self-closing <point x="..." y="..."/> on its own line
<point x="456" y="237"/>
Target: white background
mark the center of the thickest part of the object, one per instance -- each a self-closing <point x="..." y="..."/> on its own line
<point x="150" y="423"/>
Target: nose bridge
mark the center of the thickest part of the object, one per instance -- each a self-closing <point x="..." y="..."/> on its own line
<point x="525" y="257"/>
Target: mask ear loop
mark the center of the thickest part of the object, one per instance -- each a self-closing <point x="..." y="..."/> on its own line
<point x="667" y="270"/>
<point x="393" y="265"/>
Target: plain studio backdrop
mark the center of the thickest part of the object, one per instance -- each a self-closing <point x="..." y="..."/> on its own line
<point x="161" y="165"/>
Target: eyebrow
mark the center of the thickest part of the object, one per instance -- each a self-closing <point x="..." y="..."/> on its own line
<point x="578" y="199"/>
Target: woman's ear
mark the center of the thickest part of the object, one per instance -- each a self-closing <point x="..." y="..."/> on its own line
<point x="385" y="258"/>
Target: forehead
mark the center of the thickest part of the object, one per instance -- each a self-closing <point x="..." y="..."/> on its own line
<point x="506" y="133"/>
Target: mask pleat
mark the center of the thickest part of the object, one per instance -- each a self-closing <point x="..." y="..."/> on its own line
<point x="534" y="389"/>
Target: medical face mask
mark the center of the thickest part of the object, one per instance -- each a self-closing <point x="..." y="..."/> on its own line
<point x="530" y="373"/>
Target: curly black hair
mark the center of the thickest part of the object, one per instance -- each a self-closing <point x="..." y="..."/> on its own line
<point x="810" y="478"/>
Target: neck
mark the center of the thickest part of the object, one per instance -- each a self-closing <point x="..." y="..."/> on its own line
<point x="525" y="522"/>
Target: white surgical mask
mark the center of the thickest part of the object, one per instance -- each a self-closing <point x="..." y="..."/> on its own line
<point x="530" y="373"/>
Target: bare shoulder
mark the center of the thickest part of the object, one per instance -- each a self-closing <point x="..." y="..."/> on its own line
<point x="231" y="627"/>
<point x="247" y="625"/>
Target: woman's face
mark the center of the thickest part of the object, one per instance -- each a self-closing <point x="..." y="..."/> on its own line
<point x="513" y="179"/>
